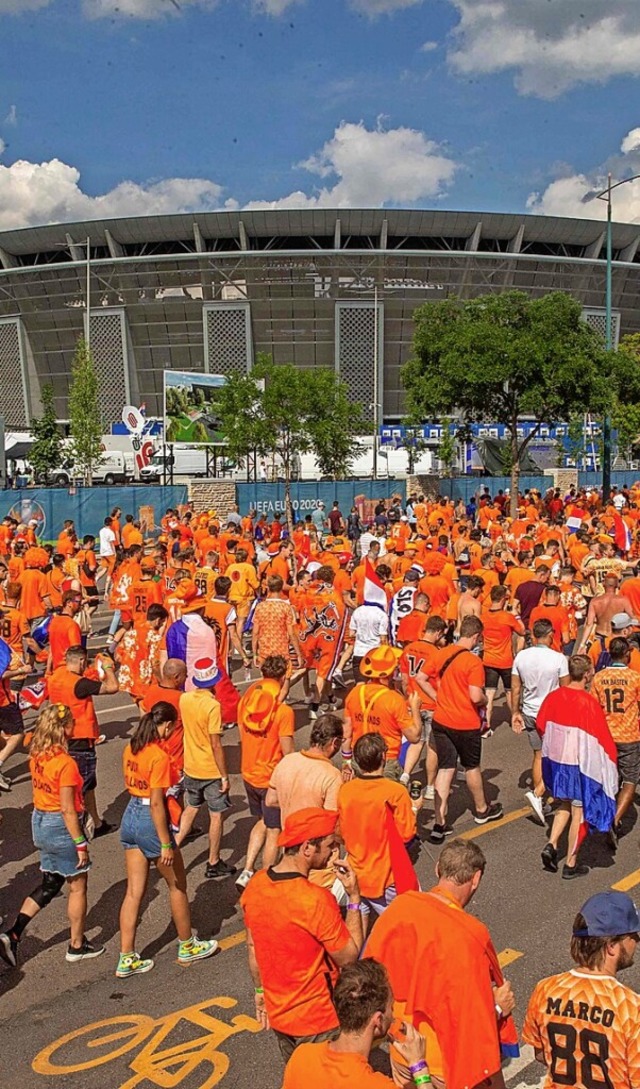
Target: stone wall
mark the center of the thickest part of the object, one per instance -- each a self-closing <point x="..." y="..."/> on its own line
<point x="564" y="478"/>
<point x="217" y="495"/>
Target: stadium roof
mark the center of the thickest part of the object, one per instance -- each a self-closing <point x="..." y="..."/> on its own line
<point x="317" y="229"/>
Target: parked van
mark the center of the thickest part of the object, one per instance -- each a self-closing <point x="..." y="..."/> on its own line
<point x="113" y="468"/>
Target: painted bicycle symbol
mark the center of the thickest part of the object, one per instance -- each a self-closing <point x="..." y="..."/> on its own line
<point x="156" y="1062"/>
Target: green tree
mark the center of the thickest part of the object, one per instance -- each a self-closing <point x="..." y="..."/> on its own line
<point x="502" y="357"/>
<point x="281" y="412"/>
<point x="46" y="452"/>
<point x="626" y="409"/>
<point x="85" y="424"/>
<point x="447" y="447"/>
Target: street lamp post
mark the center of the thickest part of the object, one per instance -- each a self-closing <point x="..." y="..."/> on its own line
<point x="88" y="338"/>
<point x="605" y="195"/>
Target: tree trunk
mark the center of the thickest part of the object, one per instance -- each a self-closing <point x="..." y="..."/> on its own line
<point x="287" y="500"/>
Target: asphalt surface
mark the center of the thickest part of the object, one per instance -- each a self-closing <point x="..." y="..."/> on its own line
<point x="192" y="1028"/>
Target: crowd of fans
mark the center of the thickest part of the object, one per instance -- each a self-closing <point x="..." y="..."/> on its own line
<point x="393" y="634"/>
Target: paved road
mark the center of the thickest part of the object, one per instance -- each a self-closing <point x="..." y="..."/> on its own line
<point x="192" y="1028"/>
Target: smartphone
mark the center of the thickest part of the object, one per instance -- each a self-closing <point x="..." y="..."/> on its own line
<point x="340" y="867"/>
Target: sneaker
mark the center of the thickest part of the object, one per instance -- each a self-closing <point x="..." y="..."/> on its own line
<point x="218" y="869"/>
<point x="229" y="726"/>
<point x="9" y="950"/>
<point x="405" y="778"/>
<point x="132" y="964"/>
<point x="103" y="829"/>
<point x="549" y="858"/>
<point x="438" y="833"/>
<point x="536" y="804"/>
<point x="493" y="812"/>
<point x="4" y="782"/>
<point x="243" y="879"/>
<point x="429" y="793"/>
<point x="195" y="949"/>
<point x="86" y="951"/>
<point x="312" y="715"/>
<point x="569" y="872"/>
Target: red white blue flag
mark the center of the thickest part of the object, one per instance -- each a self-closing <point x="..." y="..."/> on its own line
<point x="374" y="592"/>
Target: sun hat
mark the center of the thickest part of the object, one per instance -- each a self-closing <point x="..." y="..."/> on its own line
<point x="258" y="704"/>
<point x="205" y="673"/>
<point x="380" y="661"/>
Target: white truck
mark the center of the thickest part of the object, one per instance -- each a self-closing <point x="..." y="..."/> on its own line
<point x="114" y="467"/>
<point x="188" y="461"/>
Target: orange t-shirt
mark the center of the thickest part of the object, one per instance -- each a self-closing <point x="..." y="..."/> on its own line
<point x="295" y="927"/>
<point x="13" y="626"/>
<point x="34" y="586"/>
<point x="438" y="590"/>
<point x="617" y="690"/>
<point x="516" y="576"/>
<point x="412" y="626"/>
<point x="498" y="629"/>
<point x="420" y="657"/>
<point x="146" y="770"/>
<point x="64" y="632"/>
<point x="558" y="616"/>
<point x="372" y="707"/>
<point x="50" y="771"/>
<point x="173" y="745"/>
<point x="580" y="1049"/>
<point x="362" y="812"/>
<point x="260" y="744"/>
<point x="317" y="1066"/>
<point x="454" y="708"/>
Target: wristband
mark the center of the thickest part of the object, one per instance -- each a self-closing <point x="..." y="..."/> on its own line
<point x="499" y="1010"/>
<point x="80" y="839"/>
<point x="354" y="907"/>
<point x="417" y="1068"/>
<point x="166" y="846"/>
<point x="423" y="1079"/>
<point x="346" y="755"/>
<point x="82" y="846"/>
<point x="259" y="990"/>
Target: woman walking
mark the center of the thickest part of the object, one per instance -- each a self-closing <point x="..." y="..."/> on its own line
<point x="58" y="833"/>
<point x="146" y="838"/>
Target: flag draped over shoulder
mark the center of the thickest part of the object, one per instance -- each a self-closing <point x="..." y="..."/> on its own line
<point x="373" y="588"/>
<point x="442" y="965"/>
<point x="621" y="533"/>
<point x="579" y="755"/>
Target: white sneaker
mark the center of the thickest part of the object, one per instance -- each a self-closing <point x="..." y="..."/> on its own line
<point x="537" y="805"/>
<point x="243" y="879"/>
<point x="312" y="715"/>
<point x="405" y="778"/>
<point x="429" y="793"/>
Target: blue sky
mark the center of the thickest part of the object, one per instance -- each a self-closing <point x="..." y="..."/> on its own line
<point x="117" y="107"/>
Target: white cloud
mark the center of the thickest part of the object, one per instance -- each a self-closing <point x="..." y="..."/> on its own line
<point x="565" y="195"/>
<point x="372" y="168"/>
<point x="382" y="7"/>
<point x="140" y="9"/>
<point x="273" y="7"/>
<point x="18" y="7"/>
<point x="50" y="192"/>
<point x="12" y="116"/>
<point x="552" y="46"/>
<point x="2" y="145"/>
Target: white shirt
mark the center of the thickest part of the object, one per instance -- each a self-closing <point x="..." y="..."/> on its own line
<point x="369" y="624"/>
<point x="107" y="541"/>
<point x="367" y="539"/>
<point x="619" y="501"/>
<point x="539" y="669"/>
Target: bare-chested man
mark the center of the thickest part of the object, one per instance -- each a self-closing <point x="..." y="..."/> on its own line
<point x="601" y="609"/>
<point x="469" y="603"/>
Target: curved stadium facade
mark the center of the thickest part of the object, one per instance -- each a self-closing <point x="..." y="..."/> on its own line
<point x="207" y="292"/>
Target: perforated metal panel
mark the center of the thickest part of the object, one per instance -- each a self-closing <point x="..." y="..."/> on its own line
<point x="355" y="352"/>
<point x="13" y="395"/>
<point x="109" y="350"/>
<point x="228" y="343"/>
<point x="597" y="319"/>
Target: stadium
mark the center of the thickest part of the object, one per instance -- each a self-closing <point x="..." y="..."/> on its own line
<point x="207" y="292"/>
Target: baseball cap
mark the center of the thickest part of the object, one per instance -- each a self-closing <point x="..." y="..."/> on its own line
<point x="310" y="823"/>
<point x="609" y="915"/>
<point x="412" y="575"/>
<point x="148" y="563"/>
<point x="623" y="620"/>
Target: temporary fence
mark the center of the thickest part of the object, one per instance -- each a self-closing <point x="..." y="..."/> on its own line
<point x="88" y="507"/>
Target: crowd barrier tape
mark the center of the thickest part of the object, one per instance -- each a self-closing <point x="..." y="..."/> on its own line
<point x="88" y="507"/>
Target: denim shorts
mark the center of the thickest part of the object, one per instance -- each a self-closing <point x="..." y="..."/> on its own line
<point x="197" y="791"/>
<point x="87" y="762"/>
<point x="57" y="850"/>
<point x="138" y="830"/>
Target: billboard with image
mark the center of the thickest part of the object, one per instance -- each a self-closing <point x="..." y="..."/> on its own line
<point x="190" y="414"/>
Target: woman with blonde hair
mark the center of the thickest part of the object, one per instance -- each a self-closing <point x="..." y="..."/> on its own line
<point x="146" y="836"/>
<point x="57" y="824"/>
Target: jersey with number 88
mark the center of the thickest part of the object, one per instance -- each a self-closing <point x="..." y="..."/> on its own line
<point x="584" y="1027"/>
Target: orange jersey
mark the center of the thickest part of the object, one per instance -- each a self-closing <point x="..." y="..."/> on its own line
<point x="558" y="616"/>
<point x="586" y="1026"/>
<point x="454" y="707"/>
<point x="617" y="690"/>
<point x="372" y="707"/>
<point x="420" y="657"/>
<point x="13" y="627"/>
<point x="50" y="771"/>
<point x="499" y="626"/>
<point x="318" y="1066"/>
<point x="438" y="590"/>
<point x="362" y="812"/>
<point x="145" y="592"/>
<point x="64" y="632"/>
<point x="412" y="627"/>
<point x="146" y="770"/>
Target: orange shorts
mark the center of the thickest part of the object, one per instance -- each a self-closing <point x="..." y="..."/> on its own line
<point x="322" y="653"/>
